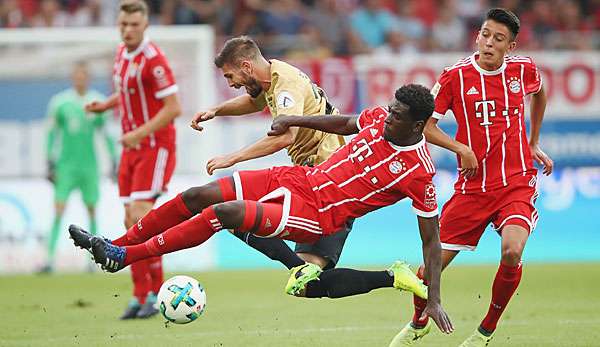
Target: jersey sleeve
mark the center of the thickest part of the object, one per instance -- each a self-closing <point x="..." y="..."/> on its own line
<point x="161" y="77"/>
<point x="422" y="193"/>
<point x="532" y="79"/>
<point x="52" y="127"/>
<point x="370" y="116"/>
<point x="442" y="94"/>
<point x="288" y="98"/>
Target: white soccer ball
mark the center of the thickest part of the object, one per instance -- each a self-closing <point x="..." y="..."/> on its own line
<point x="181" y="299"/>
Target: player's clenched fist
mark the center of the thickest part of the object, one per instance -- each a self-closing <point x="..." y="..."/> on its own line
<point x="279" y="126"/>
<point x="95" y="106"/>
<point x="202" y="116"/>
<point x="220" y="162"/>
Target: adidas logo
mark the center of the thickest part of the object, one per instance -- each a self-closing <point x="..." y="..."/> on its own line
<point x="268" y="223"/>
<point x="373" y="132"/>
<point x="473" y="91"/>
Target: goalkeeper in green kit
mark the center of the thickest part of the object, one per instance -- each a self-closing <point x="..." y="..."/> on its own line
<point x="71" y="154"/>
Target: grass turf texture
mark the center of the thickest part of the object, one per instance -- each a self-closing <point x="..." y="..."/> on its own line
<point x="556" y="305"/>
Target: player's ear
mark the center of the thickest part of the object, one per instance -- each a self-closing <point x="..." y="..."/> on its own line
<point x="512" y="45"/>
<point x="418" y="126"/>
<point x="246" y="66"/>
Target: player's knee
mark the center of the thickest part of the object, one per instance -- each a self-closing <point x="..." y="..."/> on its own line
<point x="198" y="198"/>
<point x="230" y="214"/>
<point x="511" y="255"/>
<point x="314" y="259"/>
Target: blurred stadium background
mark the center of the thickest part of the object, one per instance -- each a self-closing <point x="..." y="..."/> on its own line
<point x="357" y="63"/>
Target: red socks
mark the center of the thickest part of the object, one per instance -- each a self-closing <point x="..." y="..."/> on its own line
<point x="155" y="222"/>
<point x="190" y="233"/>
<point x="420" y="304"/>
<point x="156" y="273"/>
<point x="506" y="282"/>
<point x="141" y="280"/>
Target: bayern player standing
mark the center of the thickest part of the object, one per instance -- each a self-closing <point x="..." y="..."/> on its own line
<point x="497" y="181"/>
<point x="145" y="92"/>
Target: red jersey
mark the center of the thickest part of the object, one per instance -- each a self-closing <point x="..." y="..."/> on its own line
<point x="488" y="107"/>
<point x="142" y="78"/>
<point x="369" y="173"/>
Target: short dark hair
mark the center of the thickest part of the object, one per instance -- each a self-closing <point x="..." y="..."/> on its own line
<point x="236" y="49"/>
<point x="505" y="17"/>
<point x="418" y="99"/>
<point x="133" y="6"/>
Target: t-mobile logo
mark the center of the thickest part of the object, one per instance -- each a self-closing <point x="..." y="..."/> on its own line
<point x="485" y="109"/>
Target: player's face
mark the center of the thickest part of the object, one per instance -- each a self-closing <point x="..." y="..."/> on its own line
<point x="241" y="77"/>
<point x="132" y="27"/>
<point x="399" y="125"/>
<point x="80" y="78"/>
<point x="494" y="41"/>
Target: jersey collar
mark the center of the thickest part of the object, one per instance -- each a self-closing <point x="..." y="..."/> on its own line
<point x="408" y="148"/>
<point x="486" y="72"/>
<point x="131" y="55"/>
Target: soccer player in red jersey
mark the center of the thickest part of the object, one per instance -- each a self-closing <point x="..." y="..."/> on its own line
<point x="385" y="162"/>
<point x="147" y="100"/>
<point x="497" y="178"/>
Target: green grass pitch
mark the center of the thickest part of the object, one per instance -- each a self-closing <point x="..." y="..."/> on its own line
<point x="556" y="305"/>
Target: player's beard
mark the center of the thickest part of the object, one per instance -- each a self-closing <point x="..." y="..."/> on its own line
<point x="253" y="88"/>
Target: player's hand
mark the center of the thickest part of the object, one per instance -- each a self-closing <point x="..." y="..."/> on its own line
<point x="114" y="172"/>
<point x="439" y="316"/>
<point x="51" y="174"/>
<point x="95" y="106"/>
<point x="468" y="161"/>
<point x="220" y="162"/>
<point x="279" y="126"/>
<point x="542" y="158"/>
<point x="202" y="116"/>
<point x="131" y="139"/>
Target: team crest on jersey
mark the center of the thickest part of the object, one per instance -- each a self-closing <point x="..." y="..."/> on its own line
<point x="430" y="200"/>
<point x="285" y="100"/>
<point x="160" y="76"/>
<point x="514" y="84"/>
<point x="397" y="166"/>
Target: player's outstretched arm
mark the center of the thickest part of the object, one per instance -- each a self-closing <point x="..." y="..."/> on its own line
<point x="238" y="106"/>
<point x="438" y="137"/>
<point x="261" y="148"/>
<point x="536" y="111"/>
<point x="341" y="125"/>
<point x="432" y="255"/>
<point x="98" y="106"/>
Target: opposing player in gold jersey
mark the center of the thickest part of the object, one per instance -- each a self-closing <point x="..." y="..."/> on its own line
<point x="284" y="89"/>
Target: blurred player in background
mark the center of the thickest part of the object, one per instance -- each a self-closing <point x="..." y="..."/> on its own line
<point x="284" y="89"/>
<point x="70" y="151"/>
<point x="148" y="104"/>
<point x="497" y="178"/>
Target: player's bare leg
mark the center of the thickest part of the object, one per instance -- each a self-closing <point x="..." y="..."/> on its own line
<point x="318" y="260"/>
<point x="508" y="277"/>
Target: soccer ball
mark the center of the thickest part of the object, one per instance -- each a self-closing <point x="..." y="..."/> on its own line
<point x="181" y="299"/>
